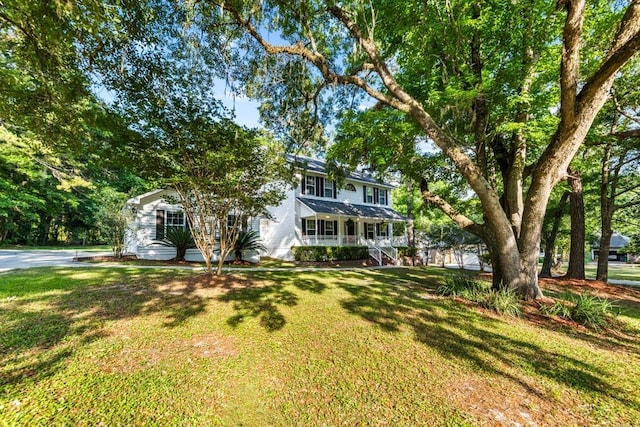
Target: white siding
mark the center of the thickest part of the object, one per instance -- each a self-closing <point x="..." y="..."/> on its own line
<point x="281" y="231"/>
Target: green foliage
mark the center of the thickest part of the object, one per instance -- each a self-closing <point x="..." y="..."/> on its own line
<point x="407" y="251"/>
<point x="179" y="238"/>
<point x="329" y="253"/>
<point x="588" y="310"/>
<point x="503" y="301"/>
<point x="460" y="285"/>
<point x="248" y="240"/>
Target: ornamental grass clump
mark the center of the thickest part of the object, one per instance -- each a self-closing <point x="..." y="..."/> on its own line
<point x="588" y="310"/>
<point x="504" y="301"/>
<point x="461" y="285"/>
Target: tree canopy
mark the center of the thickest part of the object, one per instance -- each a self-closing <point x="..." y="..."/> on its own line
<point x="507" y="92"/>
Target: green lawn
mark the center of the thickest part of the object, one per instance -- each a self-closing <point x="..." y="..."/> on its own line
<point x="167" y="347"/>
<point x="617" y="271"/>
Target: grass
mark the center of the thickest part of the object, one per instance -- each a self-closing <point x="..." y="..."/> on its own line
<point x="617" y="271"/>
<point x="138" y="346"/>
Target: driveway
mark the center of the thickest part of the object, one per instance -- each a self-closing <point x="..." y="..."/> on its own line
<point x="11" y="259"/>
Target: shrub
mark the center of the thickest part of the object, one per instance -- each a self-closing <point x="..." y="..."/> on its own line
<point x="181" y="239"/>
<point x="329" y="253"/>
<point x="248" y="240"/>
<point x="588" y="310"/>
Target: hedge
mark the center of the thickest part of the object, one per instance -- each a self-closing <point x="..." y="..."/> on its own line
<point x="329" y="253"/>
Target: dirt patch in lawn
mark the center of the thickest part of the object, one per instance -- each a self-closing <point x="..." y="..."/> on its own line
<point x="133" y="357"/>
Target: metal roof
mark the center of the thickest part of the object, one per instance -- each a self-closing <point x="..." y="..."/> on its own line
<point x="314" y="165"/>
<point x="344" y="209"/>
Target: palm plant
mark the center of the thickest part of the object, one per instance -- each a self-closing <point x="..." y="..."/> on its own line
<point x="181" y="239"/>
<point x="248" y="240"/>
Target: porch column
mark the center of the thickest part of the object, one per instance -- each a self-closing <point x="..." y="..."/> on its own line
<point x="339" y="231"/>
<point x="317" y="228"/>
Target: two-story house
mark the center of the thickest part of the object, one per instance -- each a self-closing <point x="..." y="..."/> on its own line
<point x="315" y="213"/>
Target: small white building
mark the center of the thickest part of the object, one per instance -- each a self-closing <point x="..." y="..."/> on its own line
<point x="314" y="213"/>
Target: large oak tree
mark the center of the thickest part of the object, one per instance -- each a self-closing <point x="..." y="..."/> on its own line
<point x="476" y="77"/>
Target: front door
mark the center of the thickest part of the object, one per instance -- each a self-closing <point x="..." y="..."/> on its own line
<point x="350" y="232"/>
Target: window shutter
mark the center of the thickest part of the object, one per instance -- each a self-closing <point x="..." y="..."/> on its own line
<point x="304" y="184"/>
<point x="364" y="193"/>
<point x="319" y="186"/>
<point x="335" y="190"/>
<point x="321" y="227"/>
<point x="376" y="196"/>
<point x="386" y="197"/>
<point x="159" y="224"/>
<point x="304" y="227"/>
<point x="378" y="229"/>
<point x="364" y="230"/>
<point x="335" y="228"/>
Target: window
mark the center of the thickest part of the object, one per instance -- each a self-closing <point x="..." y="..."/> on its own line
<point x="383" y="229"/>
<point x="166" y="220"/>
<point x="231" y="220"/>
<point x="371" y="231"/>
<point x="174" y="219"/>
<point x="328" y="188"/>
<point x="328" y="228"/>
<point x="383" y="197"/>
<point x="369" y="195"/>
<point x="350" y="187"/>
<point x="311" y="227"/>
<point x="311" y="185"/>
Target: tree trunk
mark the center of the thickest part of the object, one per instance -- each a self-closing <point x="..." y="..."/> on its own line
<point x="576" y="253"/>
<point x="238" y="256"/>
<point x="606" y="215"/>
<point x="603" y="255"/>
<point x="550" y="239"/>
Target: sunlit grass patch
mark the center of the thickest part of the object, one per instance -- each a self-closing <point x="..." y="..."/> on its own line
<point x="168" y="347"/>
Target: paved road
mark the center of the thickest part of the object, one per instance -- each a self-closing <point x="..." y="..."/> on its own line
<point x="11" y="259"/>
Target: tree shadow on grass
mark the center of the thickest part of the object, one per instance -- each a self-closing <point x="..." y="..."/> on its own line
<point x="393" y="302"/>
<point x="261" y="302"/>
<point x="55" y="311"/>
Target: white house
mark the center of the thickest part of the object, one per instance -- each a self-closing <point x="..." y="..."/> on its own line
<point x="314" y="213"/>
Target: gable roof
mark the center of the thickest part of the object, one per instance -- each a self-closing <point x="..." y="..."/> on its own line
<point x="361" y="211"/>
<point x="617" y="241"/>
<point x="318" y="166"/>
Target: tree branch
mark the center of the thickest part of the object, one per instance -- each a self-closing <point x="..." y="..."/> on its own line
<point x="570" y="64"/>
<point x="625" y="44"/>
<point x="461" y="220"/>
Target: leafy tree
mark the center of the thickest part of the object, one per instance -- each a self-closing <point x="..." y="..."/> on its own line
<point x="113" y="219"/>
<point x="478" y="81"/>
<point x="225" y="174"/>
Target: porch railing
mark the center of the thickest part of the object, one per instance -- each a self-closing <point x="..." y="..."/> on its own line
<point x="327" y="240"/>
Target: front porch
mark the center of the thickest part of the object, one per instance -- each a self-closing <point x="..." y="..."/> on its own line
<point x="331" y="240"/>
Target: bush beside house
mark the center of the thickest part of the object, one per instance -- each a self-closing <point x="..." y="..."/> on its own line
<point x="329" y="253"/>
